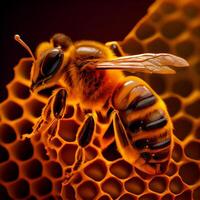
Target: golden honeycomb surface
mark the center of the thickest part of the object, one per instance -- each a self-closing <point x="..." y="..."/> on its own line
<point x="36" y="168"/>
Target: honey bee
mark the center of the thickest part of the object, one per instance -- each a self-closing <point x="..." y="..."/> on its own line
<point x="91" y="74"/>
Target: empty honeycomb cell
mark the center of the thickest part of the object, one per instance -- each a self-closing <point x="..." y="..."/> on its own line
<point x="12" y="110"/>
<point x="24" y="127"/>
<point x="19" y="189"/>
<point x="192" y="150"/>
<point x="182" y="87"/>
<point x="149" y="196"/>
<point x="168" y="7"/>
<point x="132" y="46"/>
<point x="157" y="45"/>
<point x="90" y="153"/>
<point x="4" y="154"/>
<point x="121" y="169"/>
<point x="135" y="185"/>
<point x="184" y="196"/>
<point x="53" y="169"/>
<point x="67" y="153"/>
<point x="112" y="187"/>
<point x="32" y="169"/>
<point x="177" y="152"/>
<point x="96" y="170"/>
<point x="109" y="132"/>
<point x="157" y="83"/>
<point x="172" y="169"/>
<point x="9" y="171"/>
<point x="173" y="28"/>
<point x="7" y="133"/>
<point x="191" y="11"/>
<point x="69" y="111"/>
<point x="111" y="148"/>
<point x="173" y="105"/>
<point x="194" y="108"/>
<point x="42" y="186"/>
<point x="35" y="107"/>
<point x="68" y="192"/>
<point x="68" y="130"/>
<point x="196" y="193"/>
<point x="20" y="91"/>
<point x="189" y="173"/>
<point x="88" y="190"/>
<point x="182" y="127"/>
<point x="185" y="48"/>
<point x="41" y="151"/>
<point x="4" y="193"/>
<point x="167" y="197"/>
<point x="127" y="197"/>
<point x="176" y="185"/>
<point x="145" y="31"/>
<point x="56" y="142"/>
<point x="23" y="149"/>
<point x="158" y="184"/>
<point x="24" y="68"/>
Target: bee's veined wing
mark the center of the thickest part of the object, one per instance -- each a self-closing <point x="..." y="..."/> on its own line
<point x="160" y="63"/>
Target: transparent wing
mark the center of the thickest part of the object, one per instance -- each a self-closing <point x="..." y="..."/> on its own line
<point x="160" y="63"/>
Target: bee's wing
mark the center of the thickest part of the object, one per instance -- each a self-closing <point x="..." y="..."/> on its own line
<point x="147" y="63"/>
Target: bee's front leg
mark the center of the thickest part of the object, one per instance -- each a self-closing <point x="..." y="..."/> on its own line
<point x="142" y="126"/>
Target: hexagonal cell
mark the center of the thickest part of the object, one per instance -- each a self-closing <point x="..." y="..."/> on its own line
<point x="168" y="7"/>
<point x="185" y="195"/>
<point x="111" y="153"/>
<point x="19" y="90"/>
<point x="24" y="127"/>
<point x="144" y="31"/>
<point x="23" y="149"/>
<point x="24" y="68"/>
<point x="189" y="178"/>
<point x="182" y="127"/>
<point x="67" y="154"/>
<point x="190" y="10"/>
<point x="42" y="186"/>
<point x="90" y="153"/>
<point x="96" y="170"/>
<point x="173" y="105"/>
<point x="68" y="192"/>
<point x="88" y="190"/>
<point x="173" y="28"/>
<point x="185" y="48"/>
<point x="149" y="196"/>
<point x="157" y="83"/>
<point x="177" y="152"/>
<point x="127" y="197"/>
<point x="112" y="187"/>
<point x="68" y="129"/>
<point x="9" y="171"/>
<point x="12" y="110"/>
<point x="135" y="185"/>
<point x="158" y="184"/>
<point x="34" y="107"/>
<point x="121" y="169"/>
<point x="19" y="189"/>
<point x="194" y="108"/>
<point x="4" y="154"/>
<point x="7" y="133"/>
<point x="183" y="87"/>
<point x="132" y="46"/>
<point x="176" y="185"/>
<point x="157" y="45"/>
<point x="32" y="169"/>
<point x="192" y="150"/>
<point x="53" y="169"/>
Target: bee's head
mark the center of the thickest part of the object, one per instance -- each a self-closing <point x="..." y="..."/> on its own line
<point x="48" y="67"/>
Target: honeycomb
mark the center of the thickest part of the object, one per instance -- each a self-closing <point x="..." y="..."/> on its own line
<point x="37" y="168"/>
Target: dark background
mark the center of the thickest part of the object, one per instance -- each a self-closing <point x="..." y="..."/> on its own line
<point x="37" y="21"/>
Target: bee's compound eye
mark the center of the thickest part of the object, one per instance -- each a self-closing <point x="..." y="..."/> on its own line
<point x="52" y="62"/>
<point x="60" y="39"/>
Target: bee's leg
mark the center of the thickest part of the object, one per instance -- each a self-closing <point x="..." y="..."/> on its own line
<point x="84" y="137"/>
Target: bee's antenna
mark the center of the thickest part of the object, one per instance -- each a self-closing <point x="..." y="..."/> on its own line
<point x="18" y="39"/>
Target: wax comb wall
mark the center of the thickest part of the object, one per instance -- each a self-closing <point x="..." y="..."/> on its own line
<point x="28" y="172"/>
